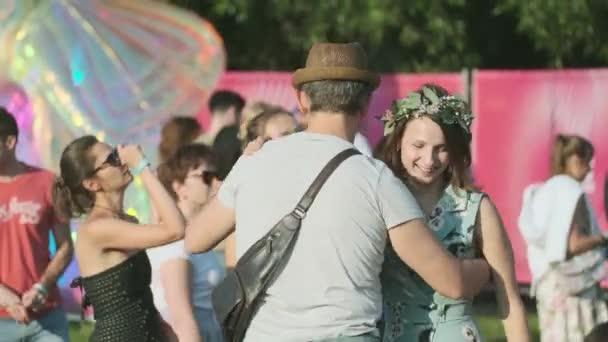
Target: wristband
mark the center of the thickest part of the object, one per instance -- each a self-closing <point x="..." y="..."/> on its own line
<point x="42" y="289"/>
<point x="140" y="167"/>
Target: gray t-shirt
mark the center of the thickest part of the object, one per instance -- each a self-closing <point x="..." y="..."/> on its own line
<point x="330" y="285"/>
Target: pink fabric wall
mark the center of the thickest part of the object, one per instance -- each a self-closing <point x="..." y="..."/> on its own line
<point x="518" y="116"/>
<point x="275" y="87"/>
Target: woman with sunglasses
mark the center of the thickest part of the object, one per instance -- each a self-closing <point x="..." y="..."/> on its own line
<point x="110" y="246"/>
<point x="182" y="283"/>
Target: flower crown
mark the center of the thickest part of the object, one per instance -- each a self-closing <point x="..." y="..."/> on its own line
<point x="449" y="109"/>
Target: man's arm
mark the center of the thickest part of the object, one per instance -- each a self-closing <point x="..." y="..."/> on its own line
<point x="209" y="227"/>
<point x="63" y="256"/>
<point x="418" y="247"/>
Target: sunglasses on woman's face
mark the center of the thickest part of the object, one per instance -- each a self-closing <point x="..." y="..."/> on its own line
<point x="111" y="160"/>
<point x="207" y="176"/>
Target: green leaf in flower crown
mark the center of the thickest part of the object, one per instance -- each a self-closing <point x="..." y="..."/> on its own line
<point x="399" y="104"/>
<point x="430" y="94"/>
<point x="412" y="101"/>
<point x="463" y="125"/>
<point x="388" y="128"/>
<point x="396" y="108"/>
<point x="413" y="95"/>
<point x="447" y="116"/>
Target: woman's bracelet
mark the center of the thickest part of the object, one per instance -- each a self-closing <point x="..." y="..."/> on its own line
<point x="140" y="167"/>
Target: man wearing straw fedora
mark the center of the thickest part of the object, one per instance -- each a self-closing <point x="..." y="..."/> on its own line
<point x="329" y="287"/>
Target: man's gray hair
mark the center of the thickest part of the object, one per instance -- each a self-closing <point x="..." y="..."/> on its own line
<point x="348" y="97"/>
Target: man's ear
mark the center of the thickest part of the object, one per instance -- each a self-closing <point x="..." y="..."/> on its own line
<point x="303" y="102"/>
<point x="11" y="142"/>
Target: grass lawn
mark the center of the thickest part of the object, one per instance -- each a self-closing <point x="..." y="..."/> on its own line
<point x="491" y="327"/>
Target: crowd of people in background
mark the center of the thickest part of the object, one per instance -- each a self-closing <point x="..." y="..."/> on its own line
<point x="395" y="247"/>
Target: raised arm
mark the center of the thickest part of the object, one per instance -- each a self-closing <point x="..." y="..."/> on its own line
<point x="496" y="248"/>
<point x="169" y="216"/>
<point x="121" y="234"/>
<point x="416" y="245"/>
<point x="209" y="227"/>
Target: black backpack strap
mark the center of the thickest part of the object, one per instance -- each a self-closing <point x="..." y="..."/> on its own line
<point x="313" y="190"/>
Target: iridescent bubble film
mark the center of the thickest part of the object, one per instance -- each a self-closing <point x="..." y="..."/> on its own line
<point x="114" y="69"/>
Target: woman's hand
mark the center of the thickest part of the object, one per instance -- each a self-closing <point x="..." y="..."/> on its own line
<point x="254" y="146"/>
<point x="131" y="155"/>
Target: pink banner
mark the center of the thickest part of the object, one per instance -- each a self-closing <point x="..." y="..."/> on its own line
<point x="275" y="87"/>
<point x="518" y="116"/>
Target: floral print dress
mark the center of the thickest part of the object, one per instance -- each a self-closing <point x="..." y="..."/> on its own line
<point x="413" y="311"/>
<point x="564" y="317"/>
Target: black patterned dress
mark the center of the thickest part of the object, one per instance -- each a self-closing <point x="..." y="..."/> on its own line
<point x="123" y="304"/>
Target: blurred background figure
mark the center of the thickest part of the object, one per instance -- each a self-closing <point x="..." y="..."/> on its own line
<point x="269" y="124"/>
<point x="252" y="110"/>
<point x="177" y="132"/>
<point x="225" y="107"/>
<point x="565" y="246"/>
<point x="182" y="283"/>
<point x="29" y="299"/>
<point x="227" y="149"/>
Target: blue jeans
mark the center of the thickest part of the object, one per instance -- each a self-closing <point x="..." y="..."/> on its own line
<point x="208" y="326"/>
<point x="52" y="327"/>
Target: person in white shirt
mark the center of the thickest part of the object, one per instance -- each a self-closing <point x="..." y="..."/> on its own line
<point x="362" y="144"/>
<point x="329" y="289"/>
<point x="565" y="246"/>
<point x="182" y="282"/>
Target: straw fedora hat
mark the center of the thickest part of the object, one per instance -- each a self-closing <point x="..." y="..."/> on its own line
<point x="329" y="61"/>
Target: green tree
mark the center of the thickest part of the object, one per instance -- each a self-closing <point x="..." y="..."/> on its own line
<point x="430" y="35"/>
<point x="569" y="32"/>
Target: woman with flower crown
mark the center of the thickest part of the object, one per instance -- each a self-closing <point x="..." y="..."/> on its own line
<point x="427" y="145"/>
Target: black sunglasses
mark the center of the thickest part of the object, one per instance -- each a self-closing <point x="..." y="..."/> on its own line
<point x="112" y="160"/>
<point x="208" y="176"/>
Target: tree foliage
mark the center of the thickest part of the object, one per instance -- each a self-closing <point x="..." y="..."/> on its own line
<point x="413" y="35"/>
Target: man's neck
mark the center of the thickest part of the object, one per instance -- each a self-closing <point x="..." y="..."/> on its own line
<point x="336" y="124"/>
<point x="215" y="127"/>
<point x="10" y="169"/>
